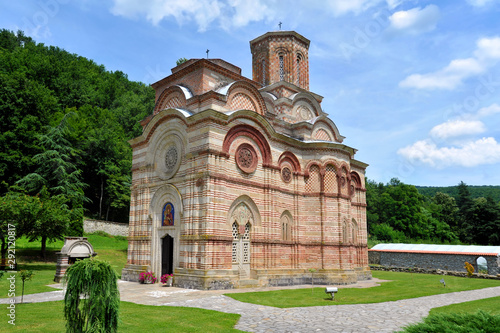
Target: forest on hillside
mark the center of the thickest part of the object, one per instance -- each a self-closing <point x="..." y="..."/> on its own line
<point x="64" y="155"/>
<point x="475" y="191"/>
<point x="398" y="212"/>
<point x="57" y="102"/>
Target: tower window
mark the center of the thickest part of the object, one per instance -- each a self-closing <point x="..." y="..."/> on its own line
<point x="263" y="72"/>
<point x="282" y="69"/>
<point x="298" y="69"/>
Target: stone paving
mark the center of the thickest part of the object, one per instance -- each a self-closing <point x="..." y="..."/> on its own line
<point x="380" y="317"/>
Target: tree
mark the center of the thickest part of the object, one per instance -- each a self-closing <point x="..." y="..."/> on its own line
<point x="57" y="173"/>
<point x="39" y="85"/>
<point x="106" y="160"/>
<point x="92" y="299"/>
<point x="482" y="222"/>
<point x="9" y="215"/>
<point x="44" y="217"/>
<point x="26" y="275"/>
<point x="180" y="61"/>
<point x="397" y="212"/>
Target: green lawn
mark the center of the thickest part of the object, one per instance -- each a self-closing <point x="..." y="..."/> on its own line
<point x="108" y="248"/>
<point x="401" y="286"/>
<point x="489" y="305"/>
<point x="48" y="317"/>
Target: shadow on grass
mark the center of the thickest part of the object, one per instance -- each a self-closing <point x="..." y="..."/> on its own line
<point x="37" y="267"/>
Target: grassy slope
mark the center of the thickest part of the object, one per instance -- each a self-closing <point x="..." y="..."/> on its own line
<point x="111" y="249"/>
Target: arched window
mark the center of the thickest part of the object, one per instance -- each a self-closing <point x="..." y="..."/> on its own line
<point x="282" y="67"/>
<point x="298" y="69"/>
<point x="285" y="228"/>
<point x="263" y="68"/>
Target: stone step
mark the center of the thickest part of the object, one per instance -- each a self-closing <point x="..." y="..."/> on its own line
<point x="249" y="283"/>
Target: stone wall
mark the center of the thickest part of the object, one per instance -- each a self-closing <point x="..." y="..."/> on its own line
<point x="432" y="271"/>
<point x="446" y="262"/>
<point x="112" y="228"/>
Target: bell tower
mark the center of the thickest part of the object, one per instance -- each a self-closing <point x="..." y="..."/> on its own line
<point x="280" y="56"/>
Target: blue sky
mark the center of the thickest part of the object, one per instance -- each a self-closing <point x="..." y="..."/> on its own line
<point x="413" y="85"/>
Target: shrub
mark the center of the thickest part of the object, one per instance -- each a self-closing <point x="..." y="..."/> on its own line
<point x="469" y="268"/>
<point x="458" y="323"/>
<point x="92" y="299"/>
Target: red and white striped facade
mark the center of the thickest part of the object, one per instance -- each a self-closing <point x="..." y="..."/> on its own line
<point x="262" y="188"/>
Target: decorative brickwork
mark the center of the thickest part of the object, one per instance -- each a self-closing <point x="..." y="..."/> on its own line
<point x="258" y="186"/>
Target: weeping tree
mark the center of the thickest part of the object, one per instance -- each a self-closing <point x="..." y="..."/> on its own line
<point x="92" y="299"/>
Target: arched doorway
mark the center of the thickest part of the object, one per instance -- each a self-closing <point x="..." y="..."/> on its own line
<point x="167" y="255"/>
<point x="482" y="265"/>
<point x="241" y="227"/>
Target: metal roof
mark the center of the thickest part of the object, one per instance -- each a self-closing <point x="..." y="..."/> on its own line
<point x="432" y="248"/>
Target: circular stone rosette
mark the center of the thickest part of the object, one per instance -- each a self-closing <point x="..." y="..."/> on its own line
<point x="246" y="158"/>
<point x="286" y="174"/>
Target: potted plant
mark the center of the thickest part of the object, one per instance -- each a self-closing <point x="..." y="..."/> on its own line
<point x="147" y="278"/>
<point x="166" y="279"/>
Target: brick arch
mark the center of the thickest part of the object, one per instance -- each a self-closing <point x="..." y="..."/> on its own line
<point x="323" y="135"/>
<point x="290" y="157"/>
<point x="314" y="178"/>
<point x="241" y="95"/>
<point x="250" y="204"/>
<point x="307" y="99"/>
<point x="344" y="186"/>
<point x="172" y="97"/>
<point x="357" y="179"/>
<point x="331" y="178"/>
<point x="309" y="165"/>
<point x="252" y="133"/>
<point x="325" y="124"/>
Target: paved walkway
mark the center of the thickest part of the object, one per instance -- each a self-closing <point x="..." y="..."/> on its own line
<point x="380" y="317"/>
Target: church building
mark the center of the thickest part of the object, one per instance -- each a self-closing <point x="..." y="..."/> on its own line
<point x="241" y="182"/>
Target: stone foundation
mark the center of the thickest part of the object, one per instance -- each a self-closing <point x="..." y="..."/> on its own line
<point x="131" y="272"/>
<point x="229" y="279"/>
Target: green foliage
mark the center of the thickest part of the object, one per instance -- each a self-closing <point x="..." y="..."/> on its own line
<point x="180" y="61"/>
<point x="92" y="299"/>
<point x="134" y="318"/>
<point x="396" y="212"/>
<point x="489" y="305"/>
<point x="474" y="191"/>
<point x="40" y="85"/>
<point x="25" y="275"/>
<point x="457" y="323"/>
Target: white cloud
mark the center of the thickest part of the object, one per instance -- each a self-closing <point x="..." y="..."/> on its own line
<point x="456" y="128"/>
<point x="486" y="55"/>
<point x="488" y="111"/>
<point x="393" y="3"/>
<point x="228" y="13"/>
<point x="479" y="3"/>
<point x="415" y="20"/>
<point x="470" y="154"/>
<point x="488" y="48"/>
